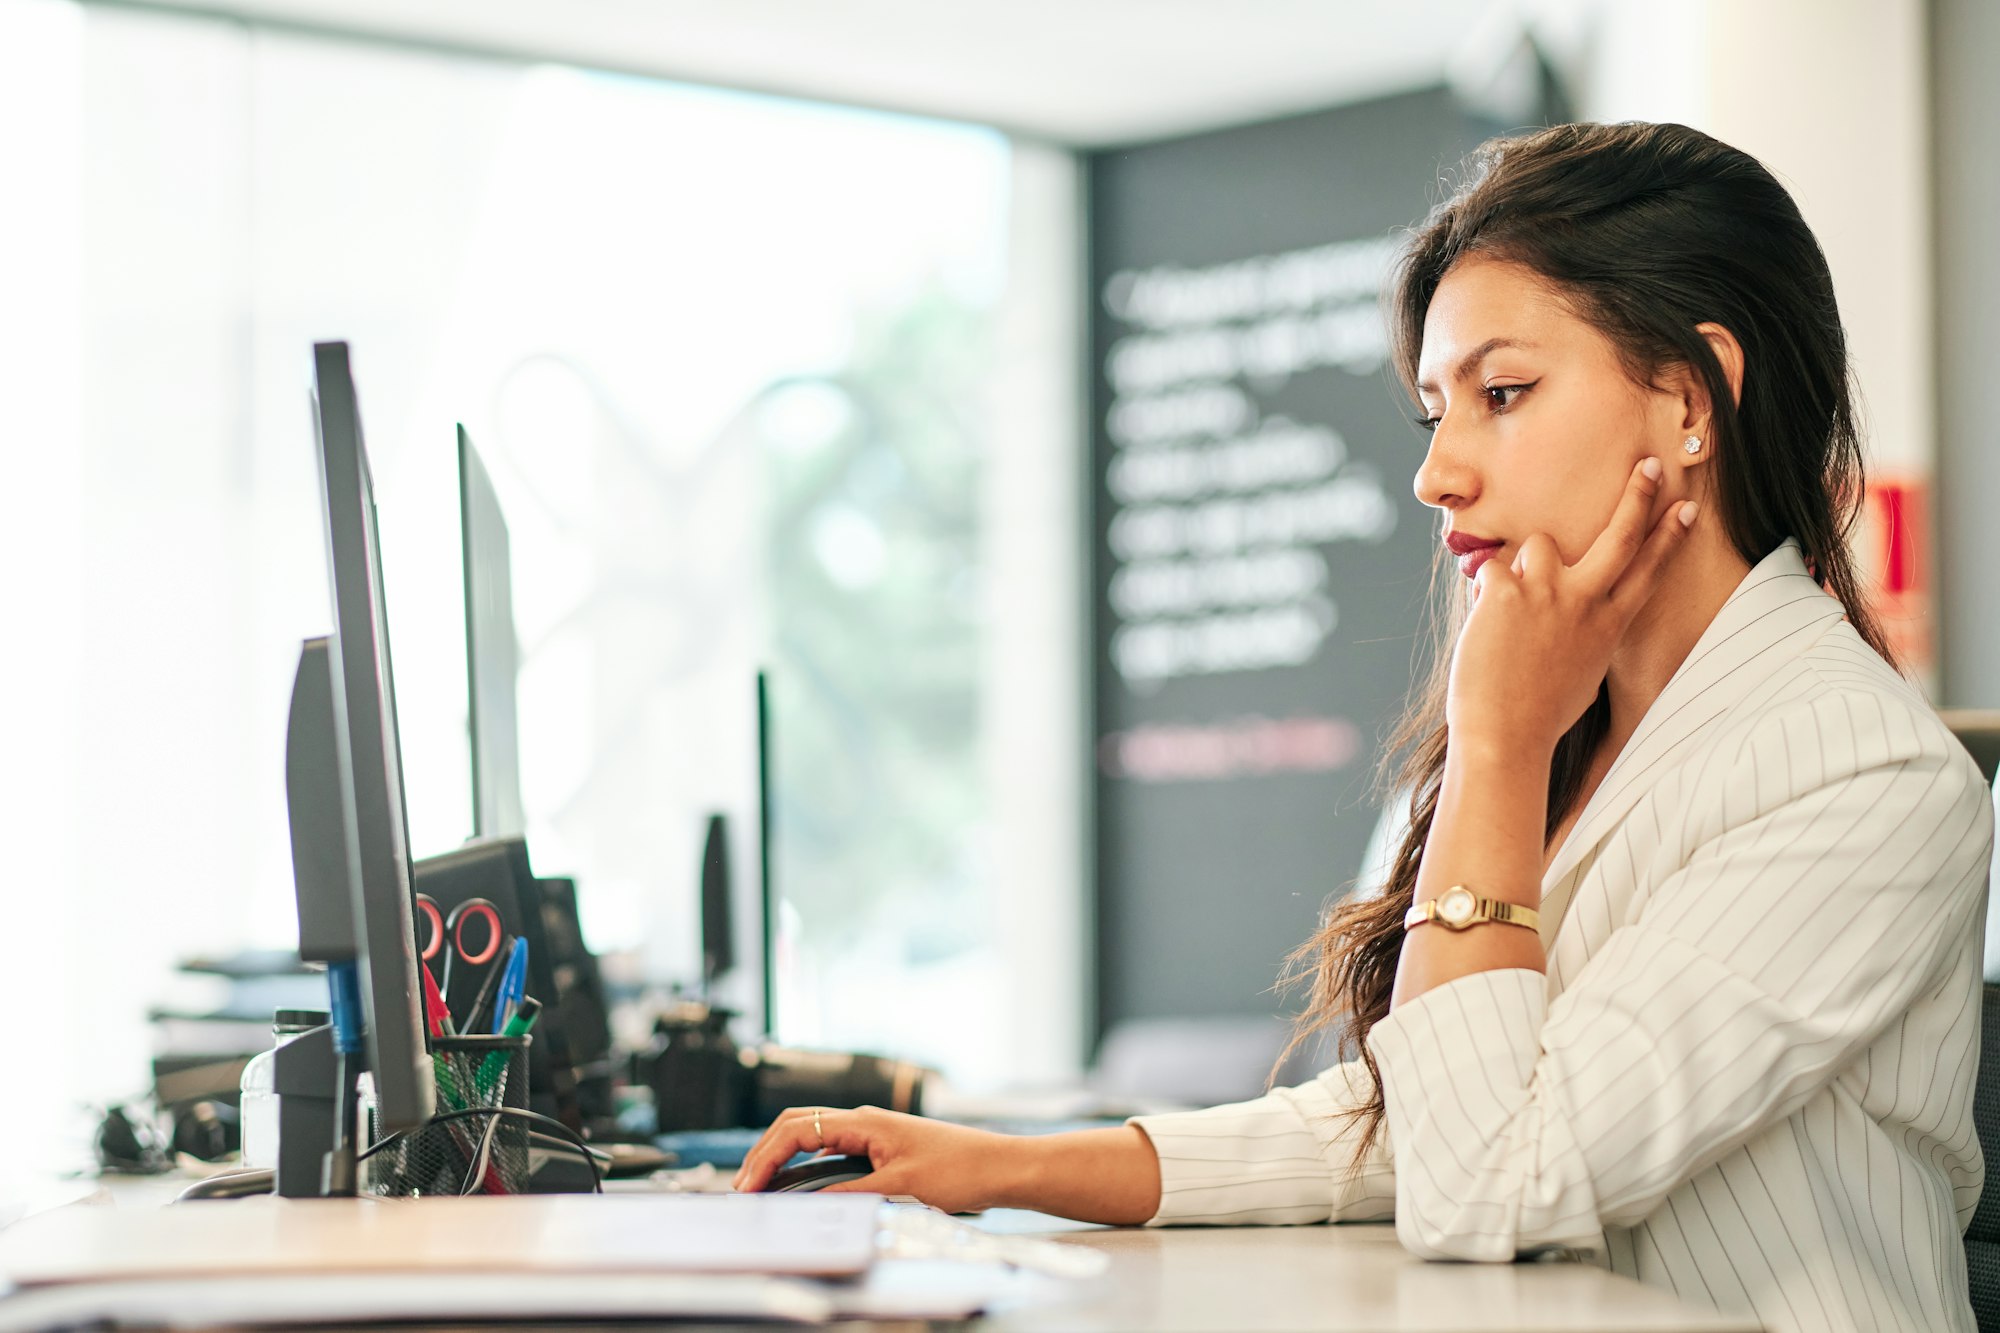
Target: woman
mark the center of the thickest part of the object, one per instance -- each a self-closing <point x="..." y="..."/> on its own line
<point x="1734" y="1054"/>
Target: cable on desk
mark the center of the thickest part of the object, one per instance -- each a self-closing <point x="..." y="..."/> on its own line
<point x="571" y="1137"/>
<point x="230" y="1185"/>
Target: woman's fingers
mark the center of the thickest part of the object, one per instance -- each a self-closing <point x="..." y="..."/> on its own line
<point x="1492" y="577"/>
<point x="1642" y="576"/>
<point x="1539" y="559"/>
<point x="794" y="1132"/>
<point x="1618" y="545"/>
<point x="790" y="1134"/>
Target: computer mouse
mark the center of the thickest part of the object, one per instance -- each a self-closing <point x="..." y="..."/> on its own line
<point x="818" y="1173"/>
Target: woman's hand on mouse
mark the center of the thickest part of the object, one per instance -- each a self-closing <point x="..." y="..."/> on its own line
<point x="952" y="1167"/>
<point x="1107" y="1175"/>
<point x="1540" y="635"/>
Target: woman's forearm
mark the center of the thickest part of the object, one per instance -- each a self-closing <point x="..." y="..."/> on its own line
<point x="1091" y="1175"/>
<point x="1487" y="835"/>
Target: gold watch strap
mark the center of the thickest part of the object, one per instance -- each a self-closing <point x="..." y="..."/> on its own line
<point x="1459" y="908"/>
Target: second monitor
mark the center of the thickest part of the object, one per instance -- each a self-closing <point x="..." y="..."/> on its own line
<point x="569" y="1059"/>
<point x="492" y="651"/>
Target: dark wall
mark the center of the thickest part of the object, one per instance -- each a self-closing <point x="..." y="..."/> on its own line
<point x="1260" y="560"/>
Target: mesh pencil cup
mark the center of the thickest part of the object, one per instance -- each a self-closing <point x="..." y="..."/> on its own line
<point x="470" y="1153"/>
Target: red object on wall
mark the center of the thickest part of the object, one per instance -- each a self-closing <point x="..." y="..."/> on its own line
<point x="1894" y="549"/>
<point x="1895" y="502"/>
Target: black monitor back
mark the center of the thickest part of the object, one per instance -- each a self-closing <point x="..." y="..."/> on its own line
<point x="369" y="755"/>
<point x="573" y="1037"/>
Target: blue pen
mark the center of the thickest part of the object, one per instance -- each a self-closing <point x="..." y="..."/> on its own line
<point x="513" y="986"/>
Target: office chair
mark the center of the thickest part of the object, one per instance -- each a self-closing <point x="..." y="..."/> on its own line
<point x="1982" y="1238"/>
<point x="1978" y="730"/>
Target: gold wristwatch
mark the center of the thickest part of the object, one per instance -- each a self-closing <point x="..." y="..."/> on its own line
<point x="1459" y="907"/>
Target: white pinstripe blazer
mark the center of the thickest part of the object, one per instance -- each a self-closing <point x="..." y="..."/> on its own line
<point x="1747" y="1075"/>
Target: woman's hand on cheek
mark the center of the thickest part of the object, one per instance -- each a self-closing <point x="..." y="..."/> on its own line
<point x="1540" y="635"/>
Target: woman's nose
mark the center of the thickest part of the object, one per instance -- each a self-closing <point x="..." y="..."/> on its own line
<point x="1445" y="481"/>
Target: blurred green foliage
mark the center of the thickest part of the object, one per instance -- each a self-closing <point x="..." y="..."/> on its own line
<point x="875" y="591"/>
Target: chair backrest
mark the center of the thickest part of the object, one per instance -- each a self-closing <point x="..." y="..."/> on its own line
<point x="1978" y="730"/>
<point x="1982" y="1238"/>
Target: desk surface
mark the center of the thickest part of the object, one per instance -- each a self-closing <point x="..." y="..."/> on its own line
<point x="1350" y="1277"/>
<point x="1179" y="1280"/>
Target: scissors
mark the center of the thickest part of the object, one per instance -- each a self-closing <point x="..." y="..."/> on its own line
<point x="447" y="934"/>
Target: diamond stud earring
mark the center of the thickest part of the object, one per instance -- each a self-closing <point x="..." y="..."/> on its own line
<point x="1692" y="444"/>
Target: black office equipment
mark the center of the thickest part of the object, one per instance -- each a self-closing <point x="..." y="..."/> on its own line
<point x="364" y="705"/>
<point x="704" y="1076"/>
<point x="309" y="1082"/>
<point x="718" y="949"/>
<point x="818" y="1173"/>
<point x="568" y="1069"/>
<point x="711" y="1066"/>
<point x="738" y="919"/>
<point x="695" y="1065"/>
<point x="569" y="1062"/>
<point x="314" y="811"/>
<point x="767" y="903"/>
<point x="129" y="1146"/>
<point x="738" y="912"/>
<point x="1982" y="1234"/>
<point x="343" y="722"/>
<point x="476" y="1154"/>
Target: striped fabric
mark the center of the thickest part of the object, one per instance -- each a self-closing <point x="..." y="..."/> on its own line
<point x="1748" y="1074"/>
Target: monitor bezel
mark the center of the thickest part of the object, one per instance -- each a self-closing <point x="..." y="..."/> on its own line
<point x="370" y="756"/>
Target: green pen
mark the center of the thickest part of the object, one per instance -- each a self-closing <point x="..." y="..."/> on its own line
<point x="518" y="1026"/>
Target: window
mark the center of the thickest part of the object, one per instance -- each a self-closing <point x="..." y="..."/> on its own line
<point x="761" y="382"/>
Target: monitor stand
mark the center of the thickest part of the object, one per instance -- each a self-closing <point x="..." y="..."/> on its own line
<point x="314" y="1083"/>
<point x="316" y="1159"/>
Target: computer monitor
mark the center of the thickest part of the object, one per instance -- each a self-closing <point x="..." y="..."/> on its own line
<point x="765" y="902"/>
<point x="370" y="757"/>
<point x="492" y="653"/>
<point x="737" y="913"/>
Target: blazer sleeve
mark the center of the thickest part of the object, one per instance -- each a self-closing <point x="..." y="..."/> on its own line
<point x="1844" y="869"/>
<point x="1287" y="1157"/>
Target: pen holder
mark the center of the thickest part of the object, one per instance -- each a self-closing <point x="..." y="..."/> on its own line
<point x="471" y="1153"/>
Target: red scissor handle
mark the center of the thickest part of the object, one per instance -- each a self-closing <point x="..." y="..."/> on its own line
<point x="470" y="909"/>
<point x="434" y="941"/>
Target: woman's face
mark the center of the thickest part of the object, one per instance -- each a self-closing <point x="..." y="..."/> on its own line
<point x="1536" y="426"/>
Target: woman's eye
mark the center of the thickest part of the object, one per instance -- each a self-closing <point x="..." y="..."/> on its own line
<point x="1502" y="396"/>
<point x="1427" y="423"/>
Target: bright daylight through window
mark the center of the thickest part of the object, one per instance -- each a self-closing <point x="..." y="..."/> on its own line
<point x="725" y="357"/>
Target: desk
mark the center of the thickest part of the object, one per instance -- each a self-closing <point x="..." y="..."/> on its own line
<point x="1347" y="1277"/>
<point x="1250" y="1279"/>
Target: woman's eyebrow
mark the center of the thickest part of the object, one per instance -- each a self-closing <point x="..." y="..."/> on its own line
<point x="1471" y="360"/>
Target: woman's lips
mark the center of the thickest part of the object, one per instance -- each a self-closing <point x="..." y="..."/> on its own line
<point x="1469" y="563"/>
<point x="1472" y="552"/>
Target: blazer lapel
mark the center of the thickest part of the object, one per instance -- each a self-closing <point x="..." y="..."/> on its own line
<point x="1773" y="613"/>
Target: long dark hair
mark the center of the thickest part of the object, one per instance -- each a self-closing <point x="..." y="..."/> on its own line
<point x="1648" y="231"/>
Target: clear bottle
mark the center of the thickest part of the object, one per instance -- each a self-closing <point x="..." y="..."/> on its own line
<point x="259" y="1105"/>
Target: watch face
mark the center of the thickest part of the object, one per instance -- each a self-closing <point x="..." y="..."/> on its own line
<point x="1455" y="906"/>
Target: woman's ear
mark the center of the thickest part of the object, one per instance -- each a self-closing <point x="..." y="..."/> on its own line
<point x="1729" y="353"/>
<point x="1697" y="418"/>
